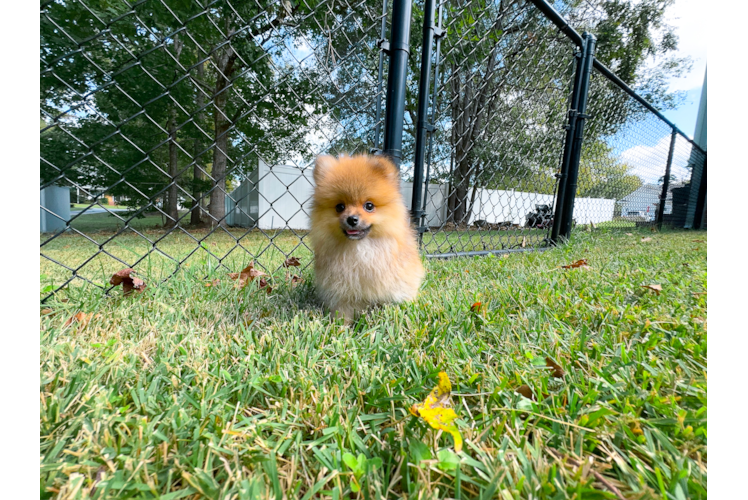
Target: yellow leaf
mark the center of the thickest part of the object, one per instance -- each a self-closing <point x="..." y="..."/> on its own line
<point x="436" y="410"/>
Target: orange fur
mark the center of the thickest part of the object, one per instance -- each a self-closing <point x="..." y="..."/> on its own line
<point x="381" y="267"/>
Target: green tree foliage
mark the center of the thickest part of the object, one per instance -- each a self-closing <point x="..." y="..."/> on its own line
<point x="167" y="101"/>
<point x="136" y="96"/>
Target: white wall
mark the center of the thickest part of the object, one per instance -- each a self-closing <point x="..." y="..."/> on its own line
<point x="284" y="193"/>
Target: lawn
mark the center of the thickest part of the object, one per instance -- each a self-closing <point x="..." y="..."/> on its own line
<point x="195" y="391"/>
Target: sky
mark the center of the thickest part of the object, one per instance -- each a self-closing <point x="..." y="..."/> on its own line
<point x="687" y="16"/>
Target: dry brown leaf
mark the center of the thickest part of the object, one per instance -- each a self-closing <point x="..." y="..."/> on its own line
<point x="82" y="318"/>
<point x="644" y="240"/>
<point x="579" y="263"/>
<point x="46" y="312"/>
<point x="295" y="280"/>
<point x="264" y="284"/>
<point x="128" y="280"/>
<point x="656" y="288"/>
<point x="292" y="262"/>
<point x="215" y="282"/>
<point x="698" y="241"/>
<point x="556" y="370"/>
<point x="527" y="392"/>
<point x="246" y="275"/>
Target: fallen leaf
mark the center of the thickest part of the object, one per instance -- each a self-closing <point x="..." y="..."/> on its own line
<point x="246" y="275"/>
<point x="45" y="312"/>
<point x="526" y="391"/>
<point x="657" y="288"/>
<point x="436" y="410"/>
<point x="557" y="371"/>
<point x="128" y="280"/>
<point x="629" y="234"/>
<point x="644" y="240"/>
<point x="475" y="307"/>
<point x="264" y="284"/>
<point x="81" y="317"/>
<point x="579" y="263"/>
<point x="698" y="241"/>
<point x="592" y="225"/>
<point x="295" y="280"/>
<point x="292" y="262"/>
<point x="524" y="241"/>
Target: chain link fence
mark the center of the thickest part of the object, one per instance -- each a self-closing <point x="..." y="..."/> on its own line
<point x="515" y="91"/>
<point x="502" y="96"/>
<point x="180" y="135"/>
<point x="628" y="154"/>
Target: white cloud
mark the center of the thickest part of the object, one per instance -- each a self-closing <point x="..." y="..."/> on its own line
<point x="688" y="18"/>
<point x="649" y="162"/>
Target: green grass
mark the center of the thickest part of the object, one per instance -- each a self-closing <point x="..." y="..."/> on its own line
<point x="92" y="223"/>
<point x="81" y="206"/>
<point x="188" y="391"/>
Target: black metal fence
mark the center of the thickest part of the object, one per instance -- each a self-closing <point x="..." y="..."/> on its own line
<point x="180" y="135"/>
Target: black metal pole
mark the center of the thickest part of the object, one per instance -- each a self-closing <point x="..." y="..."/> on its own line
<point x="666" y="180"/>
<point x="422" y="111"/>
<point x="399" y="52"/>
<point x="563" y="174"/>
<point x="438" y="35"/>
<point x="382" y="49"/>
<point x="698" y="221"/>
<point x="570" y="191"/>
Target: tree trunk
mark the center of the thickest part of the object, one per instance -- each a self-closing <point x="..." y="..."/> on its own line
<point x="197" y="172"/>
<point x="222" y="124"/>
<point x="170" y="207"/>
<point x="170" y="201"/>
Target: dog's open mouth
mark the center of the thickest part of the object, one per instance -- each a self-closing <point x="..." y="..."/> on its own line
<point x="356" y="234"/>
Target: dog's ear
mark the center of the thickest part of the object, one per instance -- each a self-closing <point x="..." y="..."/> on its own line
<point x="383" y="166"/>
<point x="323" y="164"/>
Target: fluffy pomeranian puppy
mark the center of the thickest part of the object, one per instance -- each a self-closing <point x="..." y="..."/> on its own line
<point x="365" y="252"/>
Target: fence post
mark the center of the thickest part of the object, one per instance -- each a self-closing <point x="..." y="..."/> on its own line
<point x="422" y="125"/>
<point x="700" y="200"/>
<point x="666" y="181"/>
<point x="568" y="142"/>
<point x="399" y="52"/>
<point x="568" y="185"/>
<point x="383" y="48"/>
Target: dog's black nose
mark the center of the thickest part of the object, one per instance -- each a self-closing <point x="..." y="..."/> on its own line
<point x="352" y="221"/>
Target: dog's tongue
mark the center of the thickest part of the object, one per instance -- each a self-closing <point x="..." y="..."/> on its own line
<point x="352" y="232"/>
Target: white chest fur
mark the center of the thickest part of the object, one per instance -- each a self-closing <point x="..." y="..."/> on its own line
<point x="362" y="271"/>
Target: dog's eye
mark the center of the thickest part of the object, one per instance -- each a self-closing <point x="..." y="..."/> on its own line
<point x="339" y="207"/>
<point x="369" y="206"/>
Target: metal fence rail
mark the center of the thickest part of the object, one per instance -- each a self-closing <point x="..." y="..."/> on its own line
<point x="179" y="135"/>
